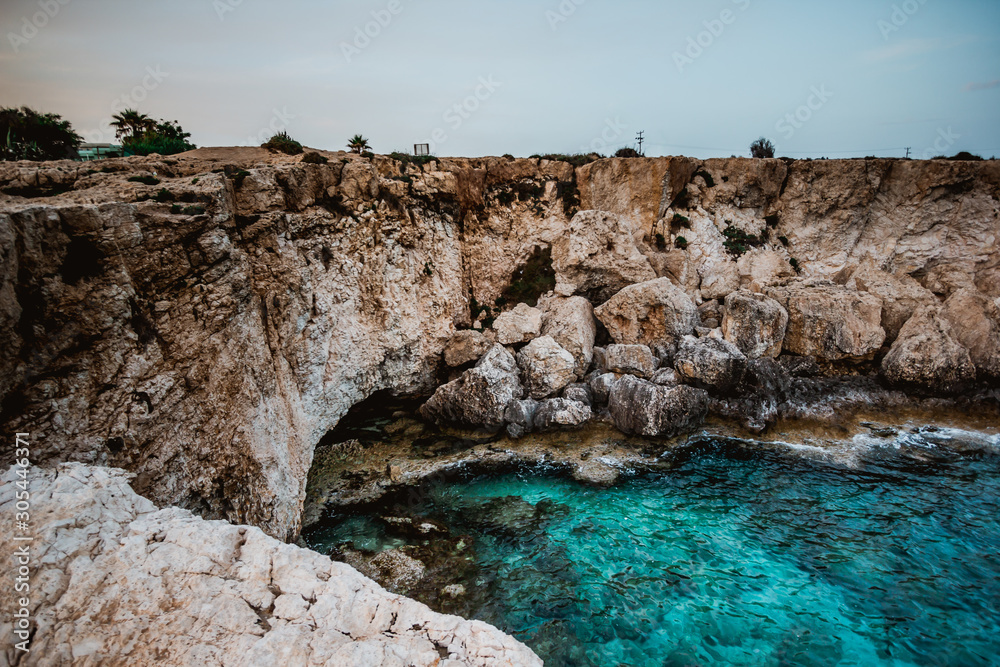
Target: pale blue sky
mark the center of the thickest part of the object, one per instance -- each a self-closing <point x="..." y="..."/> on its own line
<point x="561" y="75"/>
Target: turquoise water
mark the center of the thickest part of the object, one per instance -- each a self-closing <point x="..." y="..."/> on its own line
<point x="738" y="555"/>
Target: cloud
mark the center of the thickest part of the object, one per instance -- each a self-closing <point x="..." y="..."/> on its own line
<point x="915" y="47"/>
<point x="995" y="83"/>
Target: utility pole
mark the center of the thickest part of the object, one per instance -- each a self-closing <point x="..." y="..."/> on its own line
<point x="639" y="139"/>
<point x="907" y="153"/>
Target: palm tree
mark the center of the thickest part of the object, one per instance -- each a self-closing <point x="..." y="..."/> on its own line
<point x="130" y="124"/>
<point x="358" y="144"/>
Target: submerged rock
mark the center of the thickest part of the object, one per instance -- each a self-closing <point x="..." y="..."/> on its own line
<point x="517" y="326"/>
<point x="545" y="367"/>
<point x="558" y="413"/>
<point x="598" y="256"/>
<point x="831" y="322"/>
<point x="926" y="355"/>
<point x="643" y="408"/>
<point x="570" y="322"/>
<point x="654" y="312"/>
<point x="480" y="396"/>
<point x="630" y="359"/>
<point x="715" y="364"/>
<point x="755" y="324"/>
<point x="393" y="568"/>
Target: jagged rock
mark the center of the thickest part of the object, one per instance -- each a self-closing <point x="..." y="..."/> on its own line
<point x="630" y="359"/>
<point x="830" y="322"/>
<point x="765" y="385"/>
<point x="571" y="323"/>
<point x="975" y="323"/>
<point x="653" y="312"/>
<point x="558" y="413"/>
<point x="666" y="377"/>
<point x="901" y="295"/>
<point x="709" y="362"/>
<point x="642" y="408"/>
<point x="755" y="324"/>
<point x="926" y="355"/>
<point x="600" y="386"/>
<point x="465" y="347"/>
<point x="517" y="326"/>
<point x="761" y="268"/>
<point x="579" y="392"/>
<point x="545" y="367"/>
<point x="598" y="255"/>
<point x="117" y="581"/>
<point x="520" y="417"/>
<point x="392" y="568"/>
<point x="480" y="396"/>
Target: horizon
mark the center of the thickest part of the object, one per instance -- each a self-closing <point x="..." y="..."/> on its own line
<point x="522" y="77"/>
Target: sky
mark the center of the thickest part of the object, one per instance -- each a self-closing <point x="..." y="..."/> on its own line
<point x="702" y="78"/>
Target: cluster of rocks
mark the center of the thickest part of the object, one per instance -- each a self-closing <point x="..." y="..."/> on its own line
<point x="664" y="371"/>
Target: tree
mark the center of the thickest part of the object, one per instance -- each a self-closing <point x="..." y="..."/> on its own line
<point x="358" y="144"/>
<point x="26" y="134"/>
<point x="627" y="152"/>
<point x="131" y="124"/>
<point x="762" y="148"/>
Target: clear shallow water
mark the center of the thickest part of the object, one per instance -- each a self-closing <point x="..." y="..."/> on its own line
<point x="739" y="556"/>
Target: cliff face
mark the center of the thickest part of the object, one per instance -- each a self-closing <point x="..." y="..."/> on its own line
<point x="207" y="330"/>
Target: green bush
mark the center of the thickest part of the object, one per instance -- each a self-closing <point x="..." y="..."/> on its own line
<point x="145" y="180"/>
<point x="762" y="148"/>
<point x="681" y="242"/>
<point x="577" y="160"/>
<point x="282" y="143"/>
<point x="26" y="134"/>
<point x="661" y="242"/>
<point x="738" y="242"/>
<point x="164" y="196"/>
<point x="141" y="135"/>
<point x="627" y="152"/>
<point x="784" y="240"/>
<point x="240" y="176"/>
<point x="406" y="158"/>
<point x="314" y="158"/>
<point x="795" y="264"/>
<point x="681" y="221"/>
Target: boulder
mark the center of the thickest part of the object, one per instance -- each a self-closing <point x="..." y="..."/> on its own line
<point x="830" y="322"/>
<point x="653" y="312"/>
<point x="480" y="396"/>
<point x="927" y="355"/>
<point x="465" y="347"/>
<point x="630" y="359"/>
<point x="520" y="417"/>
<point x="642" y="408"/>
<point x="571" y="323"/>
<point x="666" y="377"/>
<point x="760" y="268"/>
<point x="598" y="256"/>
<point x="600" y="387"/>
<point x="579" y="392"/>
<point x="755" y="324"/>
<point x="975" y="323"/>
<point x="517" y="326"/>
<point x="901" y="295"/>
<point x="711" y="363"/>
<point x="545" y="367"/>
<point x="557" y="413"/>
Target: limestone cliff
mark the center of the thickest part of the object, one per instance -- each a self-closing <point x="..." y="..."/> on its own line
<point x="204" y="320"/>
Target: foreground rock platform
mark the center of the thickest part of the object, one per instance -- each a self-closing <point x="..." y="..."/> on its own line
<point x="119" y="582"/>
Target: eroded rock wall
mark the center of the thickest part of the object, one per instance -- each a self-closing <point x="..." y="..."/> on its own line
<point x="206" y="330"/>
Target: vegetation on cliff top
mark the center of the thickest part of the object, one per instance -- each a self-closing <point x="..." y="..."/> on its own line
<point x="26" y="134"/>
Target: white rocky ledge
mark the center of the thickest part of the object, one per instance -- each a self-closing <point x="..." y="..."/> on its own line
<point x="117" y="581"/>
